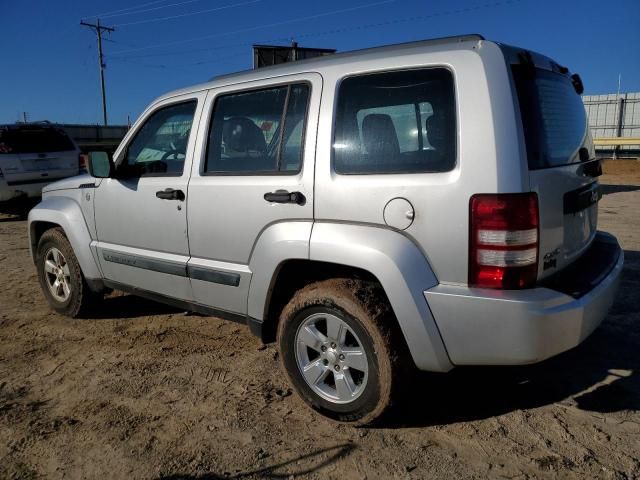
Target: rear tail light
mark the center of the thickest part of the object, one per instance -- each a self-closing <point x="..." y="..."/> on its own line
<point x="82" y="161"/>
<point x="503" y="243"/>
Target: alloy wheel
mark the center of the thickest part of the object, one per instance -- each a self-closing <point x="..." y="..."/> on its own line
<point x="57" y="274"/>
<point x="331" y="358"/>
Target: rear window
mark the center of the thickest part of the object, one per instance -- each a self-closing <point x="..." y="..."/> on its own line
<point x="396" y="122"/>
<point x="33" y="140"/>
<point x="553" y="117"/>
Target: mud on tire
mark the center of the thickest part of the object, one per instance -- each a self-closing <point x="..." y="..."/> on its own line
<point x="363" y="307"/>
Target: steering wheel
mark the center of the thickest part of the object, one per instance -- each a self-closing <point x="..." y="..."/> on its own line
<point x="170" y="153"/>
<point x="173" y="152"/>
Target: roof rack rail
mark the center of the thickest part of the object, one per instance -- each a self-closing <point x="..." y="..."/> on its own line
<point x="428" y="41"/>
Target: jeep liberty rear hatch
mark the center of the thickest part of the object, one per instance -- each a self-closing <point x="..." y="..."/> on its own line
<point x="563" y="169"/>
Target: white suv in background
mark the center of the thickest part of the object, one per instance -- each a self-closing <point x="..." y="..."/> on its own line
<point x="33" y="155"/>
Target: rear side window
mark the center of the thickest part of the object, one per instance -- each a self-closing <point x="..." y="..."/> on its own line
<point x="258" y="132"/>
<point x="553" y="117"/>
<point x="34" y="139"/>
<point x="396" y="122"/>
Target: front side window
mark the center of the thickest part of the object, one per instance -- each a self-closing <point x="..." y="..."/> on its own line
<point x="396" y="122"/>
<point x="260" y="131"/>
<point x="159" y="148"/>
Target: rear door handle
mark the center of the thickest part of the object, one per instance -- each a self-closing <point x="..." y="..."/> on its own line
<point x="282" y="196"/>
<point x="170" y="194"/>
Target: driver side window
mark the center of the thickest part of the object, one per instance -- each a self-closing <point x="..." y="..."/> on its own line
<point x="159" y="147"/>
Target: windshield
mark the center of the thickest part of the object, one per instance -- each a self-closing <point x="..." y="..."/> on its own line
<point x="33" y="139"/>
<point x="553" y="117"/>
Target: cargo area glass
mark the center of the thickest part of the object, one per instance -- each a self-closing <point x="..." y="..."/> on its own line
<point x="396" y="122"/>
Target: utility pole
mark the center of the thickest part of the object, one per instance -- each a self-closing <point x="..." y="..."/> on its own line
<point x="99" y="29"/>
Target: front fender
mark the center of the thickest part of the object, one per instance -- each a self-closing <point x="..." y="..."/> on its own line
<point x="402" y="270"/>
<point x="66" y="213"/>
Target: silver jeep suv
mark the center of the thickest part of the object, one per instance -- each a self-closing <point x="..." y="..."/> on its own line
<point x="430" y="204"/>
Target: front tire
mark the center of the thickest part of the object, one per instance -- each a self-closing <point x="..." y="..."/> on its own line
<point x="340" y="349"/>
<point x="60" y="275"/>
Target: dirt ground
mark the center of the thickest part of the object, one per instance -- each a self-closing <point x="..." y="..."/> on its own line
<point x="145" y="391"/>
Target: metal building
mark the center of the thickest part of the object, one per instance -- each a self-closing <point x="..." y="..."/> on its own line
<point x="615" y="123"/>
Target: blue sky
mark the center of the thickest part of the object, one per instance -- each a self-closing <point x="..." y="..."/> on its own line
<point x="49" y="62"/>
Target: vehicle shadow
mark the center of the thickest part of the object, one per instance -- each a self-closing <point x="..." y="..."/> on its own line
<point x="601" y="375"/>
<point x="12" y="218"/>
<point x="18" y="209"/>
<point x="125" y="306"/>
<point x="301" y="465"/>
<point x="609" y="189"/>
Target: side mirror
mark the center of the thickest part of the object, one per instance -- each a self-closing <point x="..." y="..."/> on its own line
<point x="100" y="165"/>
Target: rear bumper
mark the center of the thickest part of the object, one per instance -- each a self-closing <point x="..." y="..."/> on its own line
<point x="512" y="327"/>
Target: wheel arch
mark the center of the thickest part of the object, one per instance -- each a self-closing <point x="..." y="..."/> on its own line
<point x="36" y="230"/>
<point x="293" y="274"/>
<point x="329" y="250"/>
<point x="66" y="214"/>
<point x="404" y="273"/>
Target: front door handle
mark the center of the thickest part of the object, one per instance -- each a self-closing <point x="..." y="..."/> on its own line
<point x="282" y="196"/>
<point x="170" y="194"/>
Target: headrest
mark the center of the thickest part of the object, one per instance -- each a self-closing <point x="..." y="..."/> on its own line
<point x="438" y="129"/>
<point x="240" y="134"/>
<point x="379" y="137"/>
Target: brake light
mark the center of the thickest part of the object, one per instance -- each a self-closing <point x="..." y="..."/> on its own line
<point x="503" y="240"/>
<point x="82" y="161"/>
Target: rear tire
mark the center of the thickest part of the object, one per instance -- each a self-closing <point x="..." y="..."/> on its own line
<point x="60" y="276"/>
<point x="341" y="349"/>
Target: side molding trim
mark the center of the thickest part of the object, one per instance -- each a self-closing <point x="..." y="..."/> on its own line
<point x="172" y="268"/>
<point x="214" y="276"/>
<point x="137" y="261"/>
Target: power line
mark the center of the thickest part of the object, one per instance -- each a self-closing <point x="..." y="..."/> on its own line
<point x="217" y="59"/>
<point x="110" y="13"/>
<point x="99" y="29"/>
<point x="140" y="64"/>
<point x="224" y="7"/>
<point x="258" y="27"/>
<point x="415" y="18"/>
<point x="150" y="9"/>
<point x="118" y="42"/>
<point x="180" y="52"/>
